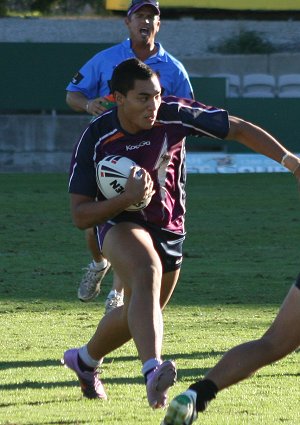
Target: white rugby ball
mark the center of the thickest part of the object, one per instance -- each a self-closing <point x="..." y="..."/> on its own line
<point x="112" y="173"/>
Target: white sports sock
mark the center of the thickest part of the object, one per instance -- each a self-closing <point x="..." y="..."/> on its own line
<point x="114" y="293"/>
<point x="150" y="365"/>
<point x="87" y="359"/>
<point x="101" y="265"/>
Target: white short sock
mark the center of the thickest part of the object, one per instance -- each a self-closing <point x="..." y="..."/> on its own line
<point x="87" y="359"/>
<point x="150" y="365"/>
<point x="114" y="293"/>
<point x="101" y="265"/>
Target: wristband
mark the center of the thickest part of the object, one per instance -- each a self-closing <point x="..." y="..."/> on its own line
<point x="290" y="162"/>
<point x="87" y="107"/>
<point x="283" y="158"/>
<point x="296" y="168"/>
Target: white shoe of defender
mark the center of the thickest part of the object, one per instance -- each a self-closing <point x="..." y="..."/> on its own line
<point x="182" y="409"/>
<point x="90" y="284"/>
<point x="114" y="299"/>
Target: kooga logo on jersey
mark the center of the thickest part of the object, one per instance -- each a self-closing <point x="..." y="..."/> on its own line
<point x="140" y="145"/>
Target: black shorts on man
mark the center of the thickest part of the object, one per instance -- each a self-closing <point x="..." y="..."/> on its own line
<point x="167" y="244"/>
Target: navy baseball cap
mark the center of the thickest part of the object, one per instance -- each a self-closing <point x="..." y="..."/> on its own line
<point x="137" y="4"/>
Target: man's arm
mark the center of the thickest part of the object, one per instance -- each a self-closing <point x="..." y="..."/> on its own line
<point x="80" y="103"/>
<point x="262" y="142"/>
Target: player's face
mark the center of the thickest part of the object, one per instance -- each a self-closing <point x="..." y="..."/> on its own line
<point x="137" y="110"/>
<point x="143" y="25"/>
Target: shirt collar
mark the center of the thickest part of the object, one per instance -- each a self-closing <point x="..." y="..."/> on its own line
<point x="159" y="55"/>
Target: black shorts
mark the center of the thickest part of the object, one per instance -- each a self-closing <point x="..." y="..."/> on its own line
<point x="167" y="244"/>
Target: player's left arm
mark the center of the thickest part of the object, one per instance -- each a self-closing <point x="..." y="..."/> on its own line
<point x="259" y="140"/>
<point x="87" y="212"/>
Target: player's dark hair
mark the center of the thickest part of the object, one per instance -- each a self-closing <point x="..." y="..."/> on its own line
<point x="127" y="72"/>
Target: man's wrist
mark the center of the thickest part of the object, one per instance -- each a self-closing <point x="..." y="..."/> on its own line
<point x="297" y="172"/>
<point x="291" y="162"/>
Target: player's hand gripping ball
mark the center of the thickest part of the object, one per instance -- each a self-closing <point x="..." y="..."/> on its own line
<point x="112" y="173"/>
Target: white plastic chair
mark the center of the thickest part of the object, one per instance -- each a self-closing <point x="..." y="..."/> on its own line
<point x="289" y="85"/>
<point x="259" y="85"/>
<point x="233" y="83"/>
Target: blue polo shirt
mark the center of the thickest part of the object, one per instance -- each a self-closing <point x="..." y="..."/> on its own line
<point x="92" y="79"/>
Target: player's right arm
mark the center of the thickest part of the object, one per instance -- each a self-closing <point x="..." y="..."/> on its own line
<point x="259" y="140"/>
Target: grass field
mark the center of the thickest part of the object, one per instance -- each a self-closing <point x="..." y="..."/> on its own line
<point x="241" y="256"/>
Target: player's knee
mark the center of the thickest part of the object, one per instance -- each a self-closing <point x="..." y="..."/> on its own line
<point x="148" y="278"/>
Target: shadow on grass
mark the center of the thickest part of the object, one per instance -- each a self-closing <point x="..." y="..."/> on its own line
<point x="29" y="363"/>
<point x="108" y="360"/>
<point x="37" y="385"/>
<point x="184" y="374"/>
<point x="190" y="374"/>
<point x="62" y="384"/>
<point x="35" y="403"/>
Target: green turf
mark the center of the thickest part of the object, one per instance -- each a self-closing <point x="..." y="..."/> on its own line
<point x="241" y="256"/>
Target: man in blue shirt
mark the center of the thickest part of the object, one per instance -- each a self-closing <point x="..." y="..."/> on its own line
<point x="92" y="81"/>
<point x="88" y="90"/>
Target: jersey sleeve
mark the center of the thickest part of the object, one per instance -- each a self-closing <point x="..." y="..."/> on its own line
<point x="196" y="118"/>
<point x="82" y="179"/>
<point x="204" y="120"/>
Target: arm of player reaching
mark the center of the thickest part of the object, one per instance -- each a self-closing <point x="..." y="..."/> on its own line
<point x="262" y="142"/>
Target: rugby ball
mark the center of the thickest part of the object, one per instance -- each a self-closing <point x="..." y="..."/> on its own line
<point x="112" y="173"/>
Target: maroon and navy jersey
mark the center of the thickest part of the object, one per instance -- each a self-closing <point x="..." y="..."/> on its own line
<point x="160" y="150"/>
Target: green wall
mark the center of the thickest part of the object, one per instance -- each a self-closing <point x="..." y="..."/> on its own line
<point x="34" y="77"/>
<point x="278" y="116"/>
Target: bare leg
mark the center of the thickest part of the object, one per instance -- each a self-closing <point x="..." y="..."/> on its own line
<point x="117" y="284"/>
<point x="90" y="284"/>
<point x="97" y="256"/>
<point x="131" y="252"/>
<point x="281" y="338"/>
<point x="92" y="245"/>
<point x="115" y="297"/>
<point x="240" y="362"/>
